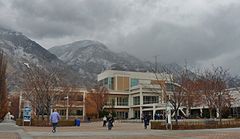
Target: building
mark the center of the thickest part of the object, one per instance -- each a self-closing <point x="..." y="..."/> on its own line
<point x="72" y="104"/>
<point x="132" y="94"/>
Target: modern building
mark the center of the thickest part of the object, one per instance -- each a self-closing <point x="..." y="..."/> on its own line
<point x="132" y="94"/>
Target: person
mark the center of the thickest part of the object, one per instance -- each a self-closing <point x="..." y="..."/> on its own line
<point x="146" y="119"/>
<point x="89" y="119"/>
<point x="110" y="120"/>
<point x="54" y="118"/>
<point x="104" y="121"/>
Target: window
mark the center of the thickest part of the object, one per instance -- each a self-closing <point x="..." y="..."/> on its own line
<point x="62" y="112"/>
<point x="137" y="114"/>
<point x="170" y="87"/>
<point x="110" y="101"/>
<point x="136" y="100"/>
<point x="122" y="101"/>
<point x="105" y="81"/>
<point x="80" y="98"/>
<point x="134" y="82"/>
<point x="79" y="112"/>
<point x="122" y="115"/>
<point x="150" y="99"/>
<point x="111" y="83"/>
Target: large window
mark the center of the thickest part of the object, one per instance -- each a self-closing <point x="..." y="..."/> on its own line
<point x="122" y="115"/>
<point x="150" y="99"/>
<point x="105" y="82"/>
<point x="136" y="100"/>
<point x="122" y="101"/>
<point x="78" y="112"/>
<point x="137" y="114"/>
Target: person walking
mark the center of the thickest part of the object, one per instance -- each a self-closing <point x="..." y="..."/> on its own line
<point x="110" y="120"/>
<point x="54" y="118"/>
<point x="104" y="121"/>
<point x="146" y="119"/>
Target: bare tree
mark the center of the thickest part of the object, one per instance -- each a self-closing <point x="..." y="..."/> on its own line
<point x="3" y="86"/>
<point x="178" y="96"/>
<point x="42" y="88"/>
<point x="214" y="86"/>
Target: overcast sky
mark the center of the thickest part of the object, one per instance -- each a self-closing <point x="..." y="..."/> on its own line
<point x="201" y="32"/>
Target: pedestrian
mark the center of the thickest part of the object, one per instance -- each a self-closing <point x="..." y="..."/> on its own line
<point x="146" y="119"/>
<point x="54" y="118"/>
<point x="104" y="121"/>
<point x="89" y="119"/>
<point x="110" y="121"/>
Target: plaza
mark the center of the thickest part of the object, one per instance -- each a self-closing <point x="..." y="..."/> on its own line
<point x="94" y="130"/>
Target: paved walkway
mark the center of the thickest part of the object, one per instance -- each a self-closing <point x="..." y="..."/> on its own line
<point x="94" y="130"/>
<point x="9" y="130"/>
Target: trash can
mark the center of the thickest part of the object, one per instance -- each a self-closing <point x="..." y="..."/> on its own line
<point x="77" y="122"/>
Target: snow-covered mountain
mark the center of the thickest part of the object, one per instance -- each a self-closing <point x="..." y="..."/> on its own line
<point x="90" y="58"/>
<point x="80" y="61"/>
<point x="19" y="50"/>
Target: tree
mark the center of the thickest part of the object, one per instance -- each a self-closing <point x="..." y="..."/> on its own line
<point x="172" y="89"/>
<point x="178" y="97"/>
<point x="214" y="86"/>
<point x="14" y="107"/>
<point x="42" y="88"/>
<point x="96" y="99"/>
<point x="3" y="86"/>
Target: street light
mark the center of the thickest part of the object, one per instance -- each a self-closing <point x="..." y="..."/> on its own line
<point x="67" y="98"/>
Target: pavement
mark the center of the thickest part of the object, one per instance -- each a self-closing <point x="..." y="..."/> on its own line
<point x="94" y="130"/>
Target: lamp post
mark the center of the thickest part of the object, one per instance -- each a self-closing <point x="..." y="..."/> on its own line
<point x="67" y="98"/>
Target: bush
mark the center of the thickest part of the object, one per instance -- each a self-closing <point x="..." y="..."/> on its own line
<point x="40" y="122"/>
<point x="199" y="124"/>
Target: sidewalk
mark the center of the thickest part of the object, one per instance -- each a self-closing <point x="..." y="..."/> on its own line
<point x="9" y="130"/>
<point x="94" y="130"/>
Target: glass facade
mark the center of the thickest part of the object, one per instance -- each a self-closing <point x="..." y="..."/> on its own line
<point x="136" y="100"/>
<point x="137" y="114"/>
<point x="122" y="115"/>
<point x="108" y="82"/>
<point x="150" y="99"/>
<point x="122" y="101"/>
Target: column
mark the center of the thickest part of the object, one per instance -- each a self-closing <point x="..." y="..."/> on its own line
<point x="141" y="112"/>
<point x="154" y="111"/>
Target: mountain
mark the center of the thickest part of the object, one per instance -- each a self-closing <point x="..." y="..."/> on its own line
<point x="19" y="50"/>
<point x="90" y="58"/>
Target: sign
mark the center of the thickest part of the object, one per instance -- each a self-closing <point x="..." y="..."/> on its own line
<point x="27" y="114"/>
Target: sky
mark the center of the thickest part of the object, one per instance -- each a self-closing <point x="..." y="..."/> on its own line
<point x="201" y="32"/>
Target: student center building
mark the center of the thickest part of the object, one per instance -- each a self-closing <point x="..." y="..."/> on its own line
<point x="132" y="94"/>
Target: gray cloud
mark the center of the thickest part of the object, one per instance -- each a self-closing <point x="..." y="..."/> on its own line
<point x="202" y="32"/>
